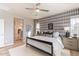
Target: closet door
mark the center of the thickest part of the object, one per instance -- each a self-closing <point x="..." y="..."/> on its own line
<point x="1" y="32"/>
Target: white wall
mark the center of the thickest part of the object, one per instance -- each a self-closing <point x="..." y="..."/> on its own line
<point x="9" y="30"/>
<point x="9" y="26"/>
<point x="27" y="22"/>
<point x="1" y="32"/>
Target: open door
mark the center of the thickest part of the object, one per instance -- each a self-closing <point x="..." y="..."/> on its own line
<point x="18" y="29"/>
<point x="1" y="32"/>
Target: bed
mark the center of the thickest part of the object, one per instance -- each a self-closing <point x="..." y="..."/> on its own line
<point x="49" y="45"/>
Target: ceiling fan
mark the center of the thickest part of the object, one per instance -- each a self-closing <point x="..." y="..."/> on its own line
<point x="37" y="8"/>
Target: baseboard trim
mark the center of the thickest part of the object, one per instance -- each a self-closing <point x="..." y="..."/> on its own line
<point x="9" y="44"/>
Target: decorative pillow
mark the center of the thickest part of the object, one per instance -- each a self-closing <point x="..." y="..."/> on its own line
<point x="56" y="34"/>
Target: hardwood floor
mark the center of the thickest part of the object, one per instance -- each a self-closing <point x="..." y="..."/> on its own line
<point x="74" y="53"/>
<point x="4" y="51"/>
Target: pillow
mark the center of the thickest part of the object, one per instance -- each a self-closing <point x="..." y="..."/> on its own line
<point x="56" y="34"/>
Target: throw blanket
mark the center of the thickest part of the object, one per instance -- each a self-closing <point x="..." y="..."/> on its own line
<point x="57" y="46"/>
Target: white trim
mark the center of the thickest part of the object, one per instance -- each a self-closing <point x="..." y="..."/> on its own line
<point x="9" y="44"/>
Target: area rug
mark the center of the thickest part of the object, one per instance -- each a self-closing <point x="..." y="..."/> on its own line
<point x="26" y="51"/>
<point x="30" y="51"/>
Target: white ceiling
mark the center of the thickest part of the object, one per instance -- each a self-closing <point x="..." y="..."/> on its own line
<point x="54" y="8"/>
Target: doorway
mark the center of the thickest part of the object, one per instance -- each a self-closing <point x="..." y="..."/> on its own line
<point x="18" y="29"/>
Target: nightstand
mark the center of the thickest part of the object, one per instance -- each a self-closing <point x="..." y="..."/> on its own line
<point x="71" y="43"/>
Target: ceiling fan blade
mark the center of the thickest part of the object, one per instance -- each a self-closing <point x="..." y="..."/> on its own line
<point x="30" y="8"/>
<point x="44" y="10"/>
<point x="37" y="4"/>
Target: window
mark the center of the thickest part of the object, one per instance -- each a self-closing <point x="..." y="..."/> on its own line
<point x="37" y="27"/>
<point x="75" y="26"/>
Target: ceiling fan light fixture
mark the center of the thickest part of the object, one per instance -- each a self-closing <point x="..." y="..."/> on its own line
<point x="37" y="10"/>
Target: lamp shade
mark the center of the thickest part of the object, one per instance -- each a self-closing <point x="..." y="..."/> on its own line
<point x="66" y="28"/>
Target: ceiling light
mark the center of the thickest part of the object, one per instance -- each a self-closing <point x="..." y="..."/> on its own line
<point x="37" y="10"/>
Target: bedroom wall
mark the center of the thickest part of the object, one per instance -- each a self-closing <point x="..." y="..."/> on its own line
<point x="9" y="30"/>
<point x="27" y="22"/>
<point x="8" y="27"/>
<point x="59" y="21"/>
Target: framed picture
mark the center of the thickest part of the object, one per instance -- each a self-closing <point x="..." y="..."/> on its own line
<point x="50" y="26"/>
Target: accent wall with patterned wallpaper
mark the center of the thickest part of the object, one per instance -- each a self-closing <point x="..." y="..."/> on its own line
<point x="59" y="21"/>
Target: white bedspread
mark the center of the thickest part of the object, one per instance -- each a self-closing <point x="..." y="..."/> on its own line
<point x="57" y="43"/>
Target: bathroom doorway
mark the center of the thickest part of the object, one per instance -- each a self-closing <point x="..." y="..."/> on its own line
<point x="18" y="29"/>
